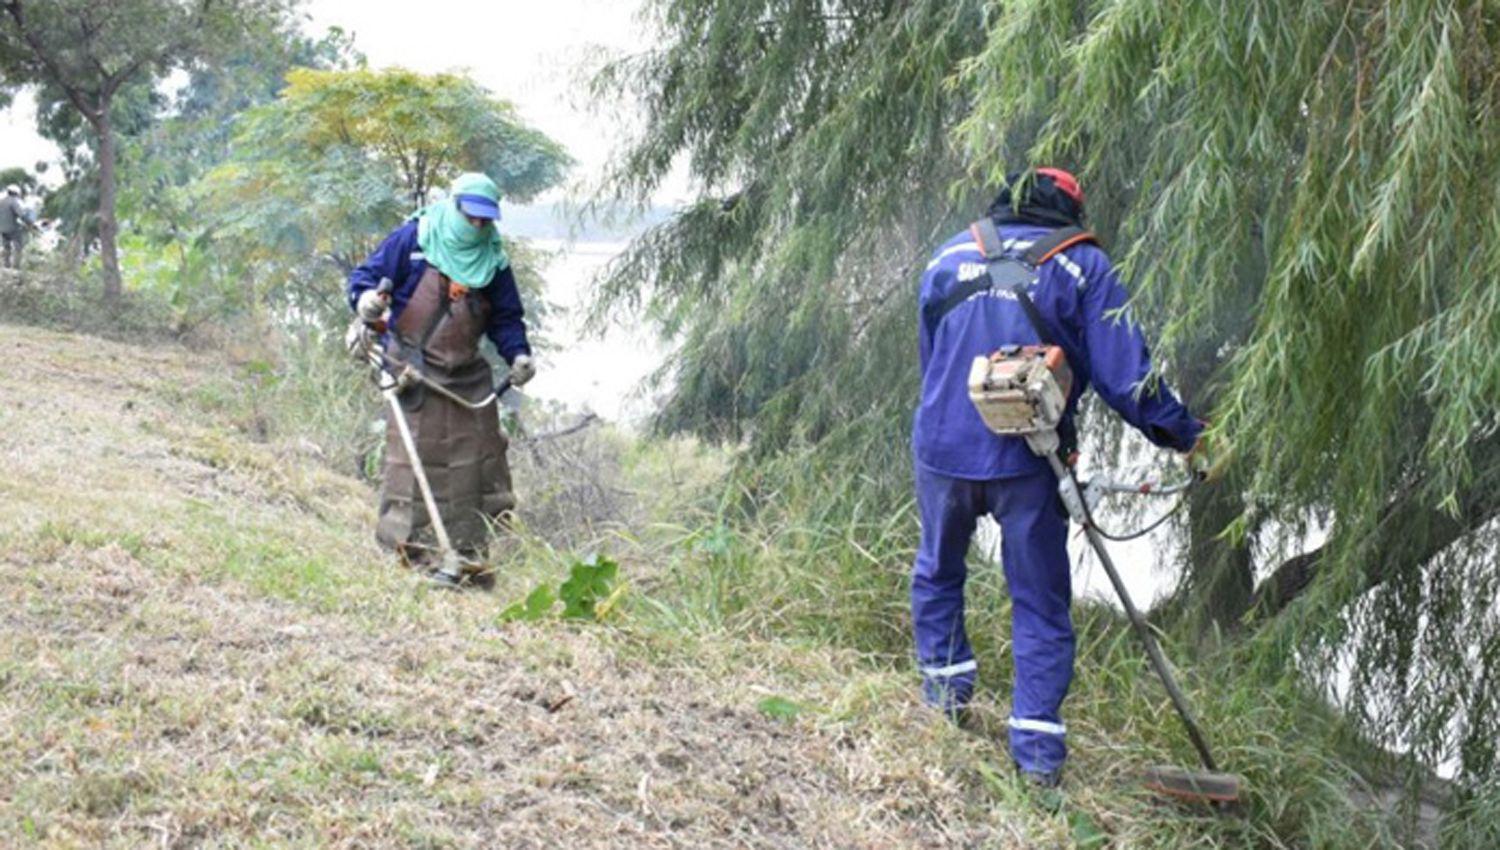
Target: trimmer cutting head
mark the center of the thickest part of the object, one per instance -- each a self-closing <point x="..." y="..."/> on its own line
<point x="1195" y="786"/>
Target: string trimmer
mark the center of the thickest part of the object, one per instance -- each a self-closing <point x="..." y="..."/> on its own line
<point x="393" y="377"/>
<point x="1022" y="391"/>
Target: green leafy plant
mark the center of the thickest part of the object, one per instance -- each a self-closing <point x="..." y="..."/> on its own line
<point x="537" y="605"/>
<point x="589" y="593"/>
<point x="780" y="708"/>
<point x="590" y="585"/>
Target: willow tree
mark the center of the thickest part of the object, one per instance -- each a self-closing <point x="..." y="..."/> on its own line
<point x="1314" y="188"/>
<point x="1304" y="196"/>
<point x="820" y="135"/>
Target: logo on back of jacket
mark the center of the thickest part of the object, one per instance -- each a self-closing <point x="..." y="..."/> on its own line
<point x="974" y="271"/>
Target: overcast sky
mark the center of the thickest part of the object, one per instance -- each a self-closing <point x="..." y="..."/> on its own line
<point x="532" y="54"/>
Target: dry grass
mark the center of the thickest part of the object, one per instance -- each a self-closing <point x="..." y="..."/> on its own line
<point x="200" y="646"/>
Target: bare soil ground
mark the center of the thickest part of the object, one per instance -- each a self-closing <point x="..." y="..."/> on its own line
<point x="200" y="646"/>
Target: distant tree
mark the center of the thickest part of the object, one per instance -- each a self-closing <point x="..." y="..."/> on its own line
<point x="189" y="137"/>
<point x="423" y="128"/>
<point x="89" y="52"/>
<point x="342" y="155"/>
<point x="75" y="203"/>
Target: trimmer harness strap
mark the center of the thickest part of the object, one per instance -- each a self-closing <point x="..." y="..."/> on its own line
<point x="1005" y="272"/>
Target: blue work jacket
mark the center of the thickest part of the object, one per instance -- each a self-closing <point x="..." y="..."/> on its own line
<point x="1080" y="297"/>
<point x="400" y="258"/>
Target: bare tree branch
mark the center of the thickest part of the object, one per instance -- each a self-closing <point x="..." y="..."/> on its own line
<point x="1394" y="549"/>
<point x="586" y="421"/>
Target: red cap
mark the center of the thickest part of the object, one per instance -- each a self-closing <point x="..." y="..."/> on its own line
<point x="1064" y="181"/>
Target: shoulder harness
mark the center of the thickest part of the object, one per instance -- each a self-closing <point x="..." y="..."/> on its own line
<point x="1006" y="272"/>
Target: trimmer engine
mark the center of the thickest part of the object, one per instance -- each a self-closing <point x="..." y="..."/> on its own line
<point x="1021" y="390"/>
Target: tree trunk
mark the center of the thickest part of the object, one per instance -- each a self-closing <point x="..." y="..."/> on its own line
<point x="1220" y="573"/>
<point x="1410" y="532"/>
<point x="108" y="226"/>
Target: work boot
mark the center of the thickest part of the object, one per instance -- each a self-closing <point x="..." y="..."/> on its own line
<point x="949" y="698"/>
<point x="1044" y="788"/>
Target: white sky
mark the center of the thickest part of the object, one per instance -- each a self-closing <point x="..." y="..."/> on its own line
<point x="19" y="143"/>
<point x="536" y="55"/>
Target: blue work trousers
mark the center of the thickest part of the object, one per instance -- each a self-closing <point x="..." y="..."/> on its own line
<point x="1033" y="538"/>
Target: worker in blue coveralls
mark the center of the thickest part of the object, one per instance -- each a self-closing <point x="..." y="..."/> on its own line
<point x="964" y="471"/>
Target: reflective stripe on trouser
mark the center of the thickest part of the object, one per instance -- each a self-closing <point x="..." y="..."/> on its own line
<point x="1034" y="552"/>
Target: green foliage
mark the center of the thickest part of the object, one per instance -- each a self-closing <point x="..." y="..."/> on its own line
<point x="164" y="161"/>
<point x="589" y="593"/>
<point x="18" y="176"/>
<point x="54" y="297"/>
<point x="1305" y="188"/>
<point x="424" y="128"/>
<point x="315" y="178"/>
<point x="590" y="582"/>
<point x="537" y="605"/>
<point x="820" y="135"/>
<point x="806" y="571"/>
<point x="1304" y="195"/>
<point x="1086" y="833"/>
<point x="94" y="47"/>
<point x="94" y="60"/>
<point x="780" y="708"/>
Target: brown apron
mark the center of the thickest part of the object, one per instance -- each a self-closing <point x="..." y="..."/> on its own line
<point x="462" y="450"/>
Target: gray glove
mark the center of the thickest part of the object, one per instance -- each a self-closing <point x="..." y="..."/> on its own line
<point x="372" y="305"/>
<point x="522" y="369"/>
<point x="359" y="340"/>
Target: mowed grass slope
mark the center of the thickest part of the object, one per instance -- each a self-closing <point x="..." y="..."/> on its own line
<point x="200" y="645"/>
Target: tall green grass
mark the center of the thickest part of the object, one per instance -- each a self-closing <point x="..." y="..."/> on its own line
<point x="819" y="573"/>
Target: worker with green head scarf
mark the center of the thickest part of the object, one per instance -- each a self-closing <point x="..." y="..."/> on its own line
<point x="433" y="289"/>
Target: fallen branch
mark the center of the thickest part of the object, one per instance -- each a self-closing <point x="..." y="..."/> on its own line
<point x="586" y="421"/>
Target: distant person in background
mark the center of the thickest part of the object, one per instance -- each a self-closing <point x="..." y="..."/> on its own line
<point x="450" y="286"/>
<point x="15" y="220"/>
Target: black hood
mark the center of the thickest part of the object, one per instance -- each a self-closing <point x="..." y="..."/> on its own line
<point x="1044" y="204"/>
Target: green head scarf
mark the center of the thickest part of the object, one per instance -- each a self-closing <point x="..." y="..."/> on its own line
<point x="469" y="255"/>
